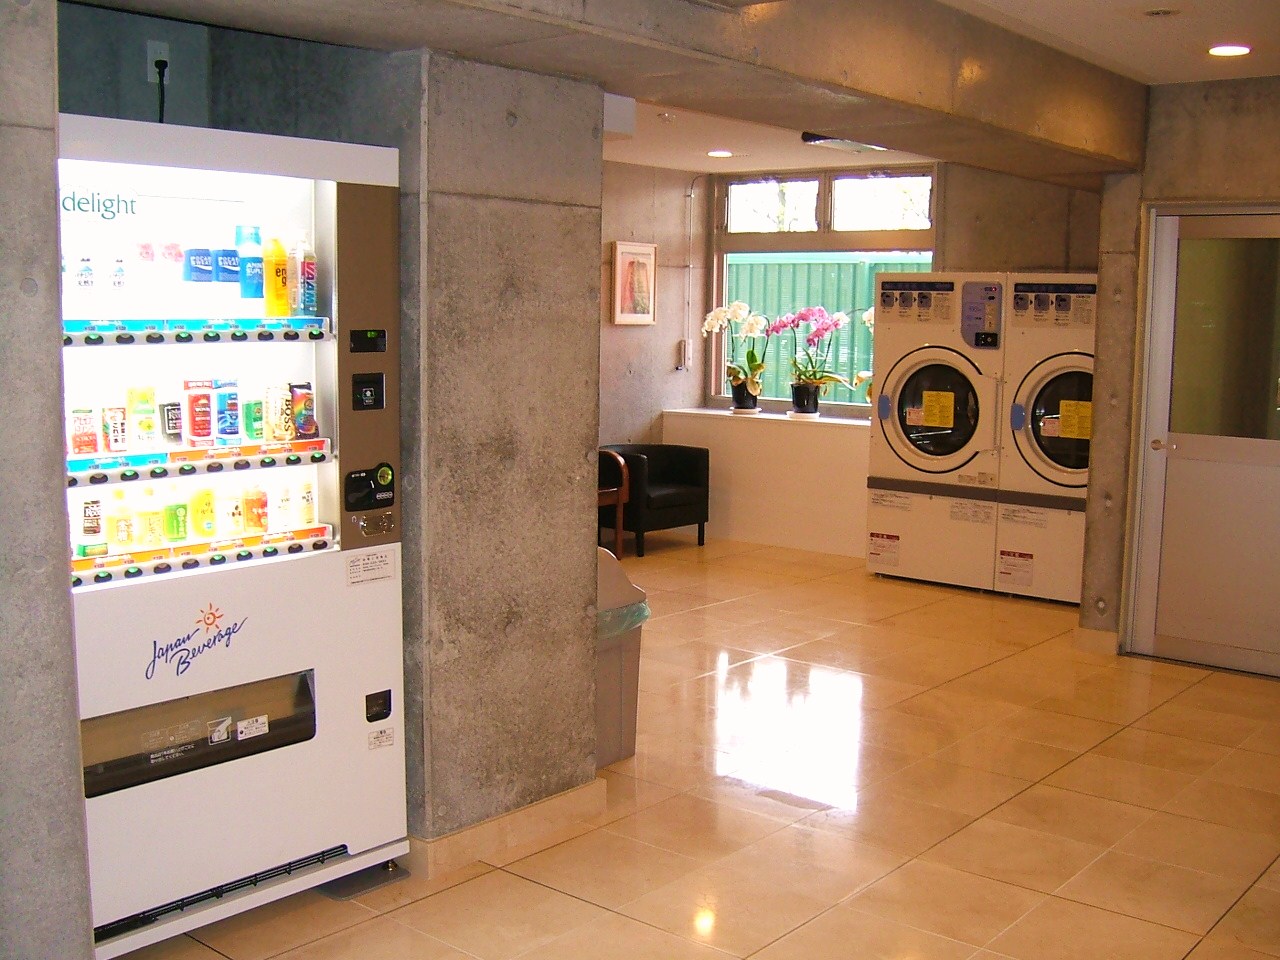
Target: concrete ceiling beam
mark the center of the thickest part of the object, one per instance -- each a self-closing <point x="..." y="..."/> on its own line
<point x="911" y="75"/>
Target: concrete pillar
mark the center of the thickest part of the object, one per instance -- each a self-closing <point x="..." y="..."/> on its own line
<point x="1117" y="327"/>
<point x="509" y="377"/>
<point x="44" y="886"/>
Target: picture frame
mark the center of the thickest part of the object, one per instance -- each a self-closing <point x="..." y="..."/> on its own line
<point x="635" y="272"/>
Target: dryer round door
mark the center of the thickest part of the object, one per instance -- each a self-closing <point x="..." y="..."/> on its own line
<point x="937" y="410"/>
<point x="1051" y="418"/>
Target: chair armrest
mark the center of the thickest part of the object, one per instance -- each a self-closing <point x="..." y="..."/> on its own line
<point x="614" y="474"/>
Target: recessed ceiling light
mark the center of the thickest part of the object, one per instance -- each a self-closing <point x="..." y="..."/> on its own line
<point x="720" y="154"/>
<point x="1230" y="50"/>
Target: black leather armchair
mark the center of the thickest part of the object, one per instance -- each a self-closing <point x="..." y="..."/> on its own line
<point x="669" y="488"/>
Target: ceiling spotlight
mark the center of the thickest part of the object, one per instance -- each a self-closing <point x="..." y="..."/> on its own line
<point x="1230" y="50"/>
<point x="720" y="154"/>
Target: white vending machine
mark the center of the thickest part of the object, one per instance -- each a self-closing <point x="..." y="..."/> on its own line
<point x="230" y="361"/>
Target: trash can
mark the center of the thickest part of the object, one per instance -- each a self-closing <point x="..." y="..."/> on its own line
<point x="621" y="610"/>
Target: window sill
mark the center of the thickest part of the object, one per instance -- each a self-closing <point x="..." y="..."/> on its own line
<point x="725" y="414"/>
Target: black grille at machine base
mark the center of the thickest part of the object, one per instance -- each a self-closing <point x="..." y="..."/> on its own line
<point x="147" y="917"/>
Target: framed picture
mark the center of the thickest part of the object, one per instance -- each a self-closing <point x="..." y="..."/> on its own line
<point x="635" y="268"/>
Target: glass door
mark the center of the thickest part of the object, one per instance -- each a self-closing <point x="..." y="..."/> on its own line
<point x="1210" y="508"/>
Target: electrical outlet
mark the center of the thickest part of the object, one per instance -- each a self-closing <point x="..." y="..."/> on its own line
<point x="158" y="51"/>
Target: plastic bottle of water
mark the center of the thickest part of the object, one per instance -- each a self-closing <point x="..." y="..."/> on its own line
<point x="302" y="265"/>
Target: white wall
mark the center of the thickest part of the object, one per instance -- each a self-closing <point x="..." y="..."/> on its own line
<point x="782" y="482"/>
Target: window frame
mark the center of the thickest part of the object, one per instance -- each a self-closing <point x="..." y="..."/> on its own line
<point x="824" y="240"/>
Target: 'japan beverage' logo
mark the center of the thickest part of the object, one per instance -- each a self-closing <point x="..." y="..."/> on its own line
<point x="209" y="634"/>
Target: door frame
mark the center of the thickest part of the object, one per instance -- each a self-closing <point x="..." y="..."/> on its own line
<point x="1153" y="370"/>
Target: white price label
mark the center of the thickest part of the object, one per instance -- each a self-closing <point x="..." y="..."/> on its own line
<point x="252" y="727"/>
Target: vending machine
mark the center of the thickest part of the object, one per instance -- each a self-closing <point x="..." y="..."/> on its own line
<point x="230" y="366"/>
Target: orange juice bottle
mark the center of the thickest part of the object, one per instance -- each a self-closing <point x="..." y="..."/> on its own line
<point x="275" y="278"/>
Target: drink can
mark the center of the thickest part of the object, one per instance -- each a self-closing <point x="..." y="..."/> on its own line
<point x="255" y="510"/>
<point x="84" y="431"/>
<point x="304" y="411"/>
<point x="175" y="522"/>
<point x="277" y="415"/>
<point x="203" y="518"/>
<point x="252" y="416"/>
<point x="199" y="412"/>
<point x="171" y="421"/>
<point x="197" y="265"/>
<point x="91" y="519"/>
<point x="115" y="429"/>
<point x="226" y="266"/>
<point x="307" y="505"/>
<point x="228" y="411"/>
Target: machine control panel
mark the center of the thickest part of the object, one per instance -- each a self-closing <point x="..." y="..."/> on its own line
<point x="981" y="321"/>
<point x="1053" y="305"/>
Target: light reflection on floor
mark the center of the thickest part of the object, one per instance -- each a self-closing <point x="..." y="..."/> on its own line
<point x="791" y="727"/>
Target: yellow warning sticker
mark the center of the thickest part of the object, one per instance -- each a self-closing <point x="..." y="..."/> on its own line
<point x="1075" y="419"/>
<point x="939" y="409"/>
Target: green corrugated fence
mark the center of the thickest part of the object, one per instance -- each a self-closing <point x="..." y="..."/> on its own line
<point x="778" y="283"/>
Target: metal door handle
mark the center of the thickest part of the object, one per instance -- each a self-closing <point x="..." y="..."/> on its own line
<point x="1160" y="445"/>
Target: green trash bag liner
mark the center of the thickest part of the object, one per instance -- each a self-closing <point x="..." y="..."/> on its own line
<point x="613" y="623"/>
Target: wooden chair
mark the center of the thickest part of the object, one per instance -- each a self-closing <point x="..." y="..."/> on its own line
<point x="614" y="491"/>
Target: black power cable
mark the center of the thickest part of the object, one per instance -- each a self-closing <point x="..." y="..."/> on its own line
<point x="162" y="67"/>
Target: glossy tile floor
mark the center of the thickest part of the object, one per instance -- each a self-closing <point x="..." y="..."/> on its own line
<point x="836" y="766"/>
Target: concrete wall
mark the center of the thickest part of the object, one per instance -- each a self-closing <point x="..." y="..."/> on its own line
<point x="638" y="365"/>
<point x="510" y="376"/>
<point x="994" y="221"/>
<point x="44" y="886"/>
<point x="1207" y="142"/>
<point x="105" y="70"/>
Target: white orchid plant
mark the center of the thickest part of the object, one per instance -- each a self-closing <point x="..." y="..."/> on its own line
<point x="741" y="326"/>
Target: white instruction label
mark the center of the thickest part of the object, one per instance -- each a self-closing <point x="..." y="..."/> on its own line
<point x="1014" y="569"/>
<point x="890" y="501"/>
<point x="882" y="549"/>
<point x="370" y="567"/>
<point x="252" y="727"/>
<point x="972" y="511"/>
<point x="1025" y="516"/>
<point x="382" y="737"/>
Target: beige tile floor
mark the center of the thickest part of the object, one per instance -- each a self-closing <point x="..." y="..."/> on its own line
<point x="831" y="765"/>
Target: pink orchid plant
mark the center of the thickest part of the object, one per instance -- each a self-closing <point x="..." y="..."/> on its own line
<point x="812" y="363"/>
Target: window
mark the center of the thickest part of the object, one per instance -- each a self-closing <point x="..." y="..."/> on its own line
<point x="881" y="203"/>
<point x="779" y="283"/>
<point x="773" y="206"/>
<point x="819" y="240"/>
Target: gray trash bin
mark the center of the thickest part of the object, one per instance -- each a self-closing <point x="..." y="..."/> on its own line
<point x="621" y="610"/>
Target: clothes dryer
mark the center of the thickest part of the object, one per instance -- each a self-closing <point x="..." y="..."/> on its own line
<point x="1046" y="428"/>
<point x="934" y="461"/>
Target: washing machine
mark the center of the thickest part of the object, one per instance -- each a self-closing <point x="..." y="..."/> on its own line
<point x="1046" y="427"/>
<point x="934" y="463"/>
